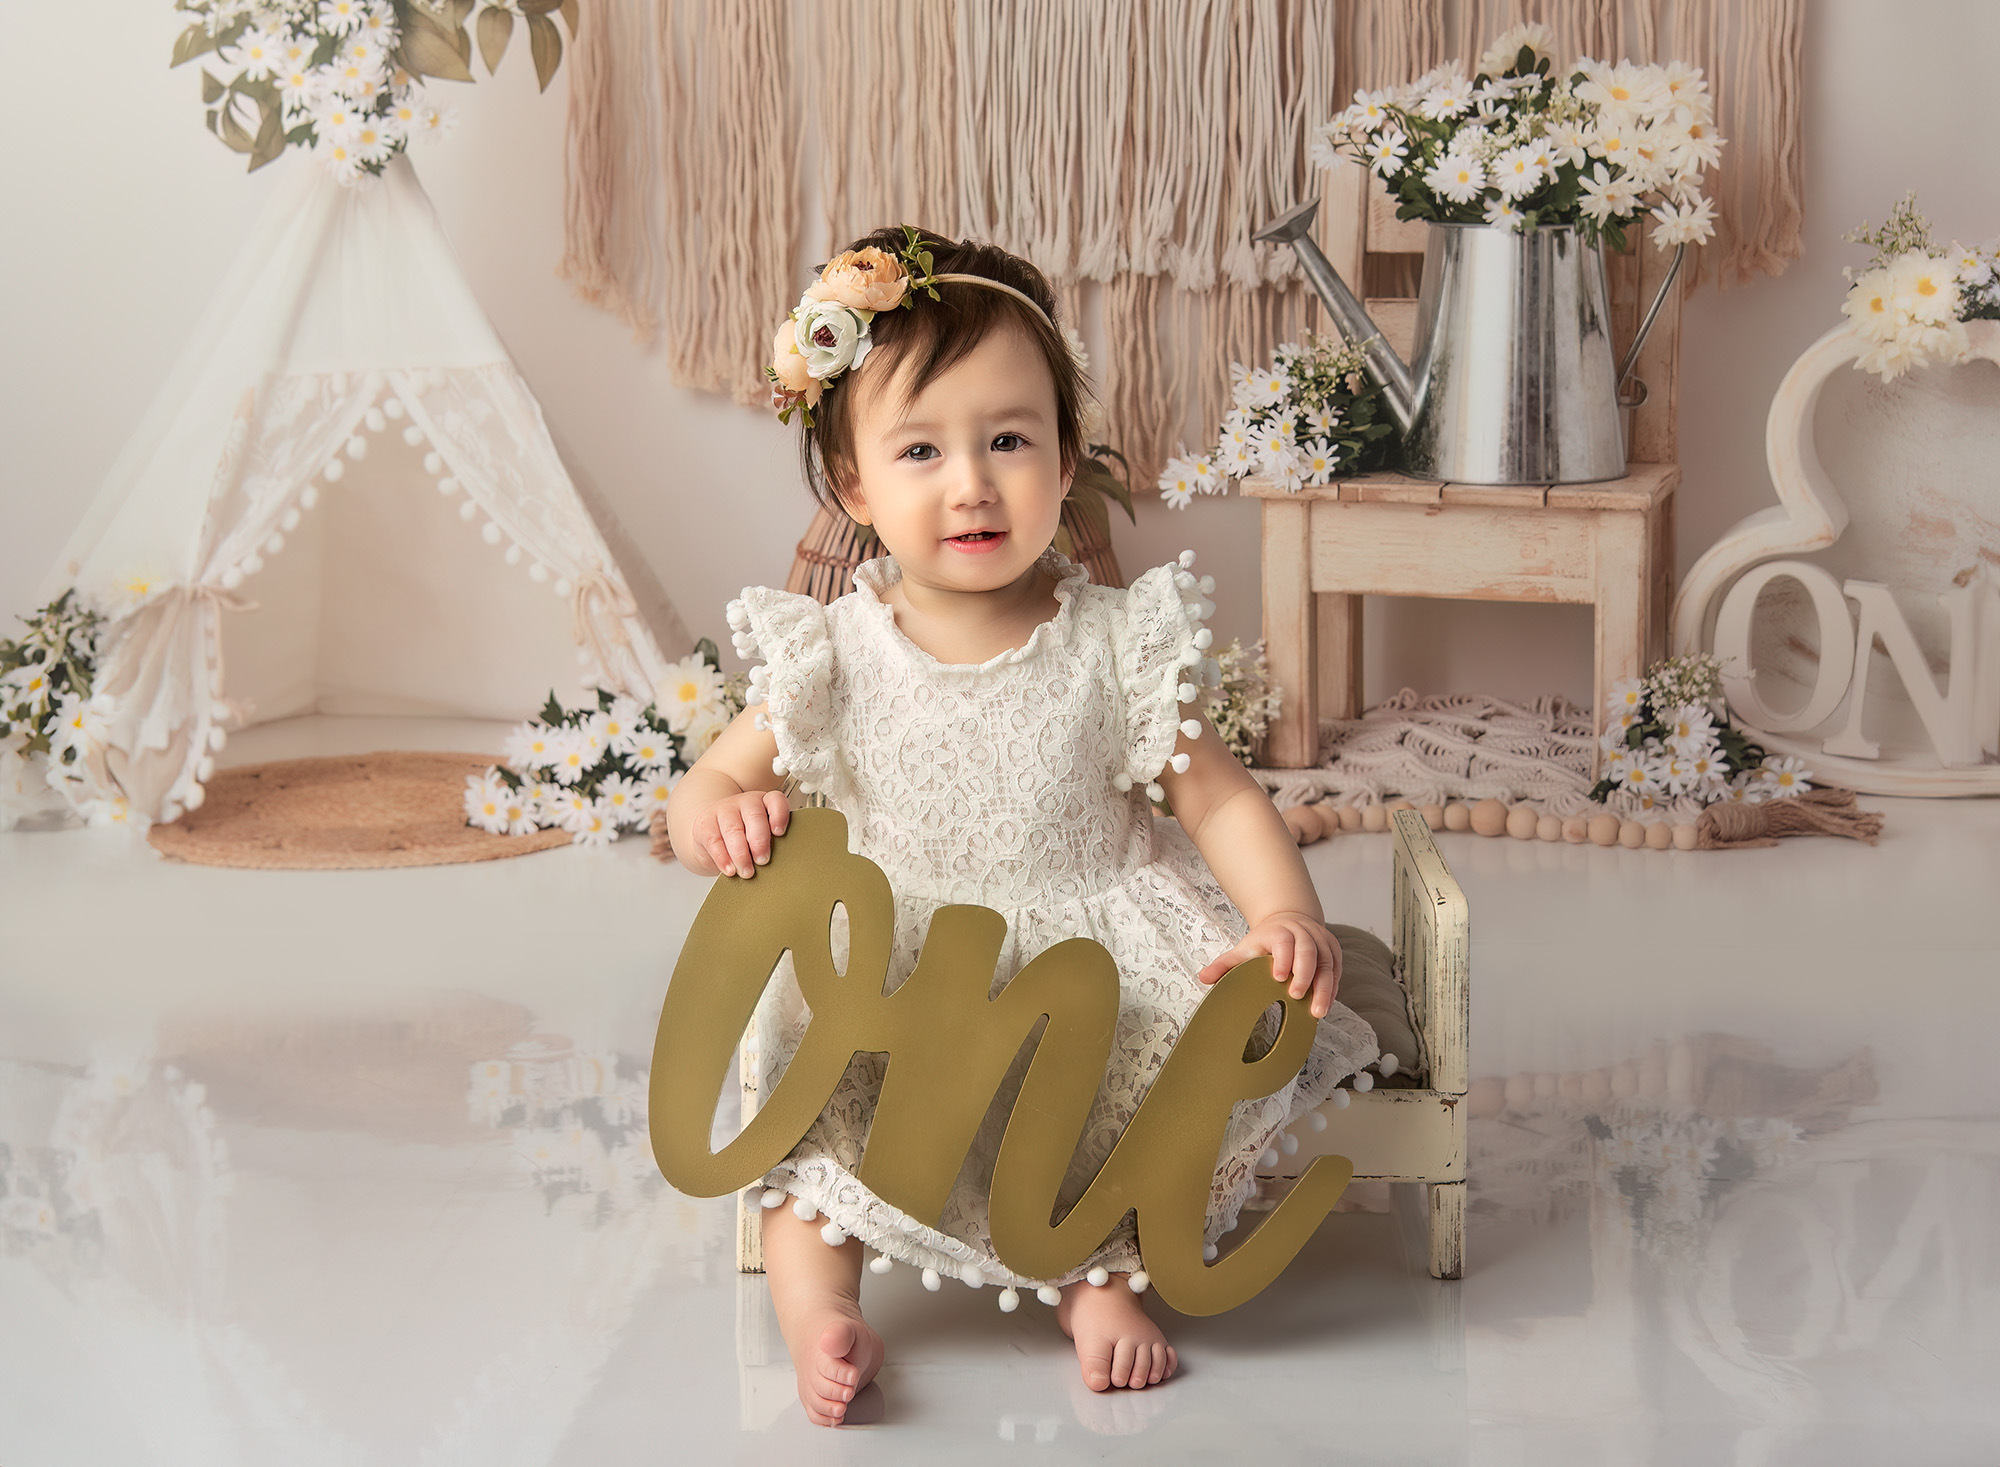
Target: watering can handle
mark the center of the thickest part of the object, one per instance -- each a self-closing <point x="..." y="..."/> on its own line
<point x="1645" y="327"/>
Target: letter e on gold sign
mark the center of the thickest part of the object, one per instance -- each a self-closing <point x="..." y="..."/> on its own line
<point x="949" y="1046"/>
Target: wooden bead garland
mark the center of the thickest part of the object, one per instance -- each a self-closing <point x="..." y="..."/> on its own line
<point x="1490" y="817"/>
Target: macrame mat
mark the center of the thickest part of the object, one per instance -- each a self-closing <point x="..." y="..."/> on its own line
<point x="347" y="813"/>
<point x="1455" y="747"/>
<point x="1471" y="747"/>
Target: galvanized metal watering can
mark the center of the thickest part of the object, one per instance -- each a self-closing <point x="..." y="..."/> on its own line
<point x="1513" y="380"/>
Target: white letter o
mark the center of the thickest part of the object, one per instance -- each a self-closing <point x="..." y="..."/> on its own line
<point x="1836" y="647"/>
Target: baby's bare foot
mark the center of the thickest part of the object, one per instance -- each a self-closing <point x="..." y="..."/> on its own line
<point x="840" y="1356"/>
<point x="1117" y="1343"/>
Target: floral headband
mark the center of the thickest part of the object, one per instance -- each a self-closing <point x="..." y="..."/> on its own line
<point x="827" y="333"/>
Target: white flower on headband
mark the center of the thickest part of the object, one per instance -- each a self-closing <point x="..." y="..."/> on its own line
<point x="831" y="337"/>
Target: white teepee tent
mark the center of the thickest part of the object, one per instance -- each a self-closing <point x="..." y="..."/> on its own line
<point x="343" y="374"/>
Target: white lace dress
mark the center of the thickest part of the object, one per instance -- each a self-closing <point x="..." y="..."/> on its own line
<point x="1020" y="784"/>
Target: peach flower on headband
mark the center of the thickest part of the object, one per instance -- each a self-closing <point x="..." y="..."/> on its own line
<point x="789" y="369"/>
<point x="862" y="280"/>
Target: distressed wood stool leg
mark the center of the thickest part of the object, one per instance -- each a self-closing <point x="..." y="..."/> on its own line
<point x="1339" y="630"/>
<point x="1447" y="1228"/>
<point x="1289" y="634"/>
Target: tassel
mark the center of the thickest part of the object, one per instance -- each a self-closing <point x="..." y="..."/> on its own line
<point x="1816" y="812"/>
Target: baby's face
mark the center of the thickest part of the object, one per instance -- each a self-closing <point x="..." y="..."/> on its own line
<point x="965" y="486"/>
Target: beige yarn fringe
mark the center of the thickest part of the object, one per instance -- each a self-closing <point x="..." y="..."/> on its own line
<point x="1127" y="146"/>
<point x="1816" y="812"/>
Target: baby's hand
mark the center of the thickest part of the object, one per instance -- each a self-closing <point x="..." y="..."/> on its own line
<point x="735" y="833"/>
<point x="1301" y="949"/>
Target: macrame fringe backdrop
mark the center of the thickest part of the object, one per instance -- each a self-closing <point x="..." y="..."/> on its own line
<point x="1127" y="145"/>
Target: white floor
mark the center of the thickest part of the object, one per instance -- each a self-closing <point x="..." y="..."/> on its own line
<point x="346" y="1168"/>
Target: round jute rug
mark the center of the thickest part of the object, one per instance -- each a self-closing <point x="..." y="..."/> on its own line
<point x="349" y="812"/>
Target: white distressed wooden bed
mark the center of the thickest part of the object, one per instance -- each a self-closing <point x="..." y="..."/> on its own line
<point x="1395" y="1135"/>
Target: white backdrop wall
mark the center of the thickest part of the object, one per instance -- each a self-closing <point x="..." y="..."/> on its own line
<point x="122" y="215"/>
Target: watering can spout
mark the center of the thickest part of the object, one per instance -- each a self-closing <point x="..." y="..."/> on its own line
<point x="1293" y="227"/>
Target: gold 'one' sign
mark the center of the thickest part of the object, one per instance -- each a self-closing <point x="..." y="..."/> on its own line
<point x="948" y="1047"/>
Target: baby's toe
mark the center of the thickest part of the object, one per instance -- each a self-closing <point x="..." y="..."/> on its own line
<point x="1122" y="1358"/>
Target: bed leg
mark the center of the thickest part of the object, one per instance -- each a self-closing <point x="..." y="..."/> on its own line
<point x="1447" y="1229"/>
<point x="750" y="1235"/>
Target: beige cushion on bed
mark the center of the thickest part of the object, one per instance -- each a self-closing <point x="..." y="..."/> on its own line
<point x="1368" y="986"/>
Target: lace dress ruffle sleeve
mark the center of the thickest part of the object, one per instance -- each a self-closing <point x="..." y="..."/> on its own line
<point x="1163" y="662"/>
<point x="794" y="686"/>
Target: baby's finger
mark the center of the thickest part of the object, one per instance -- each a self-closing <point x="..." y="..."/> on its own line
<point x="757" y="833"/>
<point x="1214" y="971"/>
<point x="779" y="812"/>
<point x="1282" y="947"/>
<point x="740" y="861"/>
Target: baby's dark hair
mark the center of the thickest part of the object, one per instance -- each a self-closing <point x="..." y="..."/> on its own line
<point x="933" y="336"/>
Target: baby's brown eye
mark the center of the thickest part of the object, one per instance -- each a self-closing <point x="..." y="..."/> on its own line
<point x="1008" y="442"/>
<point x="920" y="452"/>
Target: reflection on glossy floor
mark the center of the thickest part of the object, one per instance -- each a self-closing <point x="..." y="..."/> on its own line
<point x="351" y="1168"/>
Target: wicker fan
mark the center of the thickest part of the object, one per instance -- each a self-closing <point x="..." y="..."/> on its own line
<point x="834" y="544"/>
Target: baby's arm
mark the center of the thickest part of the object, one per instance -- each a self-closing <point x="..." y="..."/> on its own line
<point x="1244" y="840"/>
<point x="723" y="813"/>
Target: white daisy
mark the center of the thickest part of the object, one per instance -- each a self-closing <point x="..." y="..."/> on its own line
<point x="112" y="813"/>
<point x="690" y="688"/>
<point x="651" y="747"/>
<point x="573" y="757"/>
<point x="342" y="16"/>
<point x="595" y="825"/>
<point x="378" y="24"/>
<point x="1457" y="176"/>
<point x="1628" y="695"/>
<point x="1785" y="777"/>
<point x="1745" y="788"/>
<point x="592" y="735"/>
<point x="1285" y="468"/>
<point x="1387" y="153"/>
<point x="1605" y="196"/>
<point x="567" y="808"/>
<point x="335" y="119"/>
<point x="1500" y="57"/>
<point x="406" y="110"/>
<point x="1519" y="171"/>
<point x="1265" y="388"/>
<point x="373" y="142"/>
<point x="1370" y="110"/>
<point x="257" y="53"/>
<point x="1447" y="99"/>
<point x="27" y="684"/>
<point x="520" y="812"/>
<point x="1321" y="461"/>
<point x="1207" y="479"/>
<point x="655" y="790"/>
<point x="486" y="800"/>
<point x="1690" y="729"/>
<point x="1236" y="455"/>
<point x="621" y="797"/>
<point x="621" y="725"/>
<point x="1623" y="90"/>
<point x="78" y="725"/>
<point x="530" y="745"/>
<point x="1569" y="143"/>
<point x="1177" y="485"/>
<point x="1974" y="269"/>
<point x="1925" y="287"/>
<point x="1640" y="775"/>
<point x="1684" y="223"/>
<point x="434" y="121"/>
<point x="298" y="86"/>
<point x="1503" y="212"/>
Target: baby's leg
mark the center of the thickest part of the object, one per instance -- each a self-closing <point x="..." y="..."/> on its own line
<point x="817" y="1290"/>
<point x="1117" y="1343"/>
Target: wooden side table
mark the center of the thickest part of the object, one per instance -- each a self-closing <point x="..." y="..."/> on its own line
<point x="1609" y="546"/>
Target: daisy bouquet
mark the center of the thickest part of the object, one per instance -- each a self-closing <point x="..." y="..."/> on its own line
<point x="1910" y="305"/>
<point x="49" y="718"/>
<point x="1309" y="417"/>
<point x="1665" y="738"/>
<point x="1517" y="144"/>
<point x="343" y="79"/>
<point x="1243" y="705"/>
<point x="596" y="770"/>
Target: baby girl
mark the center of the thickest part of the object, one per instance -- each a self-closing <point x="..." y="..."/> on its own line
<point x="996" y="730"/>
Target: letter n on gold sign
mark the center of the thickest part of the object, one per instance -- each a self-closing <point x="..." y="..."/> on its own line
<point x="949" y="1047"/>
